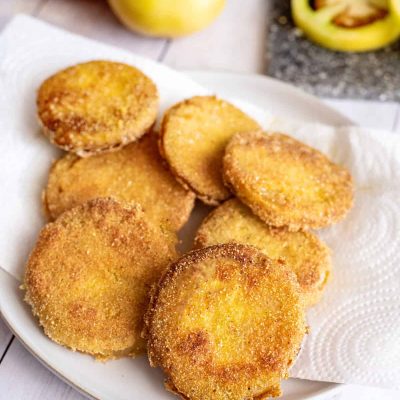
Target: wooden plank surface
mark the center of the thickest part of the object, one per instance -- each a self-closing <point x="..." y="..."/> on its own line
<point x="8" y="8"/>
<point x="235" y="41"/>
<point x="22" y="377"/>
<point x="5" y="338"/>
<point x="94" y="19"/>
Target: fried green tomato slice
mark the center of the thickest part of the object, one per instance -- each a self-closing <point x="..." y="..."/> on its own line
<point x="225" y="323"/>
<point x="88" y="277"/>
<point x="133" y="174"/>
<point x="306" y="255"/>
<point x="285" y="182"/>
<point x="97" y="106"/>
<point x="193" y="137"/>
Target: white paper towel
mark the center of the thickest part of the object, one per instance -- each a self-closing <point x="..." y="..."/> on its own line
<point x="30" y="51"/>
<point x="355" y="330"/>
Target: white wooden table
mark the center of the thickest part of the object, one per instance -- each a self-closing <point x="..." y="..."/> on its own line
<point x="235" y="42"/>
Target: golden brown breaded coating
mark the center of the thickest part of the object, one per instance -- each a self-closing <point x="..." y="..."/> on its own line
<point x="285" y="182"/>
<point x="225" y="323"/>
<point x="306" y="255"/>
<point x="97" y="106"/>
<point x="193" y="137"/>
<point x="133" y="174"/>
<point x="88" y="277"/>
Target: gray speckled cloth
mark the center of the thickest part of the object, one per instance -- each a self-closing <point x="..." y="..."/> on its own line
<point x="293" y="58"/>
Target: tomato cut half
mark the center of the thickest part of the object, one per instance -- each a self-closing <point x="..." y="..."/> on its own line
<point x="395" y="7"/>
<point x="349" y="25"/>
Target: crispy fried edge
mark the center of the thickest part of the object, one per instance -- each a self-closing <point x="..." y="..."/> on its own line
<point x="51" y="217"/>
<point x="102" y="203"/>
<point x="206" y="199"/>
<point x="312" y="298"/>
<point x="276" y="220"/>
<point x="273" y="392"/>
<point x="87" y="151"/>
<point x="232" y="250"/>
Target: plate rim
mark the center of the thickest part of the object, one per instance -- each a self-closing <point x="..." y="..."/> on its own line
<point x="194" y="73"/>
<point x="331" y="388"/>
<point x="42" y="359"/>
<point x="31" y="351"/>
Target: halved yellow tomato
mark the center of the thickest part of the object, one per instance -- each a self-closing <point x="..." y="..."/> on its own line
<point x="348" y="25"/>
<point x="395" y="7"/>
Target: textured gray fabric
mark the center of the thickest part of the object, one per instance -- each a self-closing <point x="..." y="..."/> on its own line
<point x="293" y="58"/>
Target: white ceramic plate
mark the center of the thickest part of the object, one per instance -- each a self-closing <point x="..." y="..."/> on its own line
<point x="134" y="379"/>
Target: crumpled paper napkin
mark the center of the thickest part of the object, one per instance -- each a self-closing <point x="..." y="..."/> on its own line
<point x="30" y="51"/>
<point x="355" y="330"/>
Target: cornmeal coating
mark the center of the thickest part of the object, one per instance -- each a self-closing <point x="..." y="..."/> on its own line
<point x="133" y="174"/>
<point x="285" y="182"/>
<point x="193" y="137"/>
<point x="306" y="255"/>
<point x="97" y="106"/>
<point x="88" y="277"/>
<point x="225" y="323"/>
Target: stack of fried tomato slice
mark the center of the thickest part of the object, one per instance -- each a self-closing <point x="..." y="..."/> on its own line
<point x="349" y="25"/>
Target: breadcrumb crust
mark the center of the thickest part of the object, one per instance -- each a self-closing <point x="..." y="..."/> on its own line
<point x="96" y="107"/>
<point x="134" y="174"/>
<point x="88" y="277"/>
<point x="193" y="137"/>
<point x="225" y="323"/>
<point x="304" y="253"/>
<point x="285" y="182"/>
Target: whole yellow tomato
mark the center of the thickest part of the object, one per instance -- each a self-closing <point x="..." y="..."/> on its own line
<point x="167" y="18"/>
